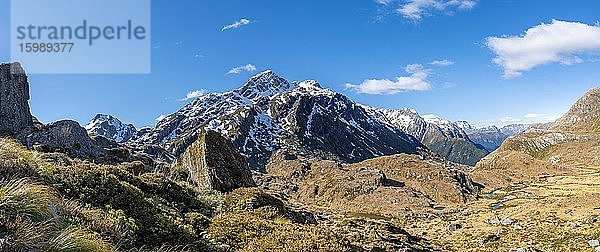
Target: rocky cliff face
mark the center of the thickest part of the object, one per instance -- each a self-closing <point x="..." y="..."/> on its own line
<point x="213" y="162"/>
<point x="14" y="96"/>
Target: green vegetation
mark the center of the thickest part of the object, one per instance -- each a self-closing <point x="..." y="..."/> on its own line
<point x="30" y="221"/>
<point x="51" y="202"/>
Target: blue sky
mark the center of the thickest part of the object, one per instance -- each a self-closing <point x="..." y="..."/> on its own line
<point x="343" y="43"/>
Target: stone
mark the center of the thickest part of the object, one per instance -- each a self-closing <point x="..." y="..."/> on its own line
<point x="213" y="162"/>
<point x="454" y="227"/>
<point x="493" y="220"/>
<point x="507" y="221"/>
<point x="594" y="243"/>
<point x="14" y="99"/>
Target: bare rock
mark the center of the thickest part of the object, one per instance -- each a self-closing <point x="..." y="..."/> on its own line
<point x="213" y="162"/>
<point x="14" y="96"/>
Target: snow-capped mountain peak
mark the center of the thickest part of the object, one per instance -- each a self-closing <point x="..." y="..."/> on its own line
<point x="269" y="113"/>
<point x="110" y="127"/>
<point x="310" y="84"/>
<point x="435" y="120"/>
<point x="265" y="84"/>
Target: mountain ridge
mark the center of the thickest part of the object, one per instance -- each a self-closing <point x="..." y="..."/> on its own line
<point x="268" y="112"/>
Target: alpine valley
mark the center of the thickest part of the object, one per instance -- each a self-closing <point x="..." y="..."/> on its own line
<point x="276" y="165"/>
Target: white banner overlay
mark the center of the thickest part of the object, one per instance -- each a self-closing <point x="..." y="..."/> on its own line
<point x="81" y="36"/>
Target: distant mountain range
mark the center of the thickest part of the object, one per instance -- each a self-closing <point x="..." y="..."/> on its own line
<point x="491" y="137"/>
<point x="269" y="113"/>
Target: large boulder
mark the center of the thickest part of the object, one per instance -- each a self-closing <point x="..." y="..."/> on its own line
<point x="213" y="162"/>
<point x="63" y="136"/>
<point x="14" y="97"/>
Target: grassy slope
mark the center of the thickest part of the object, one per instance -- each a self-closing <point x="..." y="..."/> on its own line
<point x="50" y="202"/>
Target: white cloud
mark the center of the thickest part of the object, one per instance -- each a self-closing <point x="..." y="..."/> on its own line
<point x="558" y="42"/>
<point x="194" y="94"/>
<point x="247" y="68"/>
<point x="534" y="115"/>
<point x="160" y="118"/>
<point x="416" y="81"/>
<point x="416" y="9"/>
<point x="444" y="62"/>
<point x="237" y="24"/>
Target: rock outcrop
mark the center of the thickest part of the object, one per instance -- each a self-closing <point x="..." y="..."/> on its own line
<point x="64" y="136"/>
<point x="14" y="96"/>
<point x="213" y="162"/>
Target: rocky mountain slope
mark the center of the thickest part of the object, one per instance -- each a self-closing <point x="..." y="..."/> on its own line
<point x="111" y="128"/>
<point x="584" y="116"/>
<point x="269" y="113"/>
<point x="573" y="141"/>
<point x="71" y="190"/>
<point x="542" y="191"/>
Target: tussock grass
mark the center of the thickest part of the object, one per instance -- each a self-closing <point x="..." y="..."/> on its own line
<point x="75" y="239"/>
<point x="28" y="211"/>
<point x="51" y="202"/>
